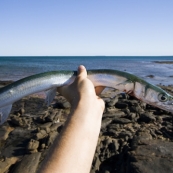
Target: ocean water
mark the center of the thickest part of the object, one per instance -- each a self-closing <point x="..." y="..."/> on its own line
<point x="17" y="67"/>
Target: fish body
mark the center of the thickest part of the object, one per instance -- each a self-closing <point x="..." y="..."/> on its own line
<point x="49" y="81"/>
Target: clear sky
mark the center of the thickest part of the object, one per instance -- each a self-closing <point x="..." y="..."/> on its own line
<point x="90" y="27"/>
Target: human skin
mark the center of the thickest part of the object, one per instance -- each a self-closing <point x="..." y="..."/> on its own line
<point x="73" y="150"/>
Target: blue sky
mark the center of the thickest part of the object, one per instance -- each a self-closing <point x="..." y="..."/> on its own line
<point x="91" y="27"/>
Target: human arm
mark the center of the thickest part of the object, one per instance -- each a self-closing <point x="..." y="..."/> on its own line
<point x="74" y="148"/>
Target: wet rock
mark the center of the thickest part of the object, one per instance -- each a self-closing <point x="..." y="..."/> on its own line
<point x="51" y="138"/>
<point x="112" y="102"/>
<point x="55" y="126"/>
<point x="20" y="111"/>
<point x="123" y="96"/>
<point x="150" y="76"/>
<point x="116" y="144"/>
<point x="117" y="114"/>
<point x="4" y="132"/>
<point x="147" y="117"/>
<point x="121" y="120"/>
<point x="155" y="156"/>
<point x="120" y="105"/>
<point x="41" y="134"/>
<point x="7" y="163"/>
<point x="28" y="164"/>
<point x="45" y="125"/>
<point x="50" y="117"/>
<point x="42" y="118"/>
<point x="136" y="109"/>
<point x="106" y="122"/>
<point x="125" y="134"/>
<point x="111" y="110"/>
<point x="96" y="163"/>
<point x="143" y="137"/>
<point x="32" y="146"/>
<point x="21" y="121"/>
<point x="62" y="105"/>
<point x="54" y="116"/>
<point x="114" y="126"/>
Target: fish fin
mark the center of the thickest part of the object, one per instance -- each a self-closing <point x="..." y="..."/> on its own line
<point x="50" y="94"/>
<point x="4" y="112"/>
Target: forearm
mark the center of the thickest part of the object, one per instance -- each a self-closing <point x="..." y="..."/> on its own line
<point x="73" y="151"/>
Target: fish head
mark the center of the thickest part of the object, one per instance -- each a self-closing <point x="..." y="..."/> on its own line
<point x="154" y="96"/>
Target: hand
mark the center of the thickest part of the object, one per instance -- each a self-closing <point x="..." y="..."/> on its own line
<point x="82" y="91"/>
<point x="74" y="148"/>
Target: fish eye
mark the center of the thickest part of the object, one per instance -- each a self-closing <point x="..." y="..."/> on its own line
<point x="162" y="97"/>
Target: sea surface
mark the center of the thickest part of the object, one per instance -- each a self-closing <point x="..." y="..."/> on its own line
<point x="17" y="67"/>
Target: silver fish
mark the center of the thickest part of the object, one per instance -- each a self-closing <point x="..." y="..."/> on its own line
<point x="49" y="81"/>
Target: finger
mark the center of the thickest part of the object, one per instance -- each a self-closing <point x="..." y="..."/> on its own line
<point x="99" y="89"/>
<point x="82" y="71"/>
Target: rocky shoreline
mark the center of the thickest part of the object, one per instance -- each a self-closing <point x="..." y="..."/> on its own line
<point x="134" y="137"/>
<point x="164" y="62"/>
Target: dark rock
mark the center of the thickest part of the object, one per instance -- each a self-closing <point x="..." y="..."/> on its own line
<point x="155" y="156"/>
<point x="120" y="105"/>
<point x="41" y="134"/>
<point x="123" y="134"/>
<point x="96" y="163"/>
<point x="117" y="114"/>
<point x="106" y="122"/>
<point x="54" y="116"/>
<point x="45" y="125"/>
<point x="7" y="163"/>
<point x="143" y="137"/>
<point x="121" y="120"/>
<point x="123" y="96"/>
<point x="111" y="110"/>
<point x="50" y="117"/>
<point x="147" y="117"/>
<point x="112" y="132"/>
<point x="136" y="109"/>
<point x="116" y="144"/>
<point x="4" y="132"/>
<point x="55" y="126"/>
<point x="150" y="76"/>
<point x="112" y="102"/>
<point x="62" y="105"/>
<point x="152" y="132"/>
<point x="32" y="146"/>
<point x="28" y="164"/>
<point x="51" y="138"/>
<point x="21" y="121"/>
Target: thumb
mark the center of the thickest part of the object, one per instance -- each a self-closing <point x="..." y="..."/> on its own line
<point x="82" y="73"/>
